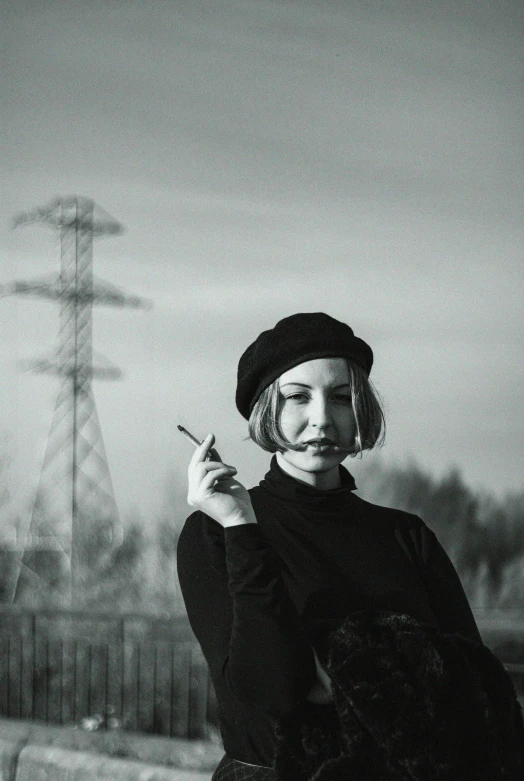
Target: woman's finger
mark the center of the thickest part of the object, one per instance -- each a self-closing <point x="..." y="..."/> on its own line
<point x="200" y="470"/>
<point x="215" y="476"/>
<point x="202" y="491"/>
<point x="202" y="450"/>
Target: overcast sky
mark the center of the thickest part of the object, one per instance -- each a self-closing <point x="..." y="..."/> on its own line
<point x="358" y="158"/>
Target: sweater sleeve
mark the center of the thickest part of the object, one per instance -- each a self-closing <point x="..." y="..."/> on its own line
<point x="446" y="593"/>
<point x="242" y="615"/>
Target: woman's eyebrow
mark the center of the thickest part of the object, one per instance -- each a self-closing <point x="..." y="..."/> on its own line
<point x="303" y="385"/>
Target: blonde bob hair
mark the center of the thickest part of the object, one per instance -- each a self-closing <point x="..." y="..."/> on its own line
<point x="370" y="423"/>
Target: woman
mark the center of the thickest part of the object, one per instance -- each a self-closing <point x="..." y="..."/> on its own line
<point x="301" y="593"/>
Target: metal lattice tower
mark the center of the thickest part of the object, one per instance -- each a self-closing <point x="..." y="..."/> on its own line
<point x="75" y="522"/>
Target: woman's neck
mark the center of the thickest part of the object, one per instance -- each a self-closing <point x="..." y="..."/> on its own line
<point x="324" y="481"/>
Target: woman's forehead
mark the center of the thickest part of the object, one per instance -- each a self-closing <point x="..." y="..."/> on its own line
<point x="319" y="371"/>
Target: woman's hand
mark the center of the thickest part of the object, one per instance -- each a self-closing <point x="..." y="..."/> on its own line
<point x="213" y="489"/>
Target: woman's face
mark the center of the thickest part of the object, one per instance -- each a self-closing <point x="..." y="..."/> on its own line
<point x="316" y="414"/>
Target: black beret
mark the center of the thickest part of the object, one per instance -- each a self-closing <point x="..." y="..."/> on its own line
<point x="295" y="339"/>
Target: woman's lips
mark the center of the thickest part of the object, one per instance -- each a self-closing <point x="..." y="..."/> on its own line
<point x="322" y="445"/>
<point x="319" y="446"/>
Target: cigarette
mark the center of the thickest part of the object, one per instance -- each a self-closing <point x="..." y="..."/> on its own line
<point x="189" y="436"/>
<point x="212" y="455"/>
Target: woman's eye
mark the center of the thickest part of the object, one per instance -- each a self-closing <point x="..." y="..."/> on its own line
<point x="297" y="396"/>
<point x="342" y="398"/>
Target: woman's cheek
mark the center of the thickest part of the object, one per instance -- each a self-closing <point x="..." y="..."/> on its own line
<point x="287" y="428"/>
<point x="289" y="417"/>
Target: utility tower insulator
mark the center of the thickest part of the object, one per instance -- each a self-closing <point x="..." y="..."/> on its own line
<point x="75" y="522"/>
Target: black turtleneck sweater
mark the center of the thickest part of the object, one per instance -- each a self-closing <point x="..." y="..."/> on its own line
<point x="260" y="597"/>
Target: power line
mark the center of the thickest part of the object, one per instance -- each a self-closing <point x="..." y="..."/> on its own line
<point x="74" y="523"/>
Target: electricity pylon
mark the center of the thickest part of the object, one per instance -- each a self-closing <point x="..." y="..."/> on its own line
<point x="75" y="521"/>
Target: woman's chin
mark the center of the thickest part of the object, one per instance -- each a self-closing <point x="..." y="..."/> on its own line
<point x="316" y="460"/>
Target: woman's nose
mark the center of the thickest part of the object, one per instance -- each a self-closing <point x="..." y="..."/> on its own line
<point x="319" y="413"/>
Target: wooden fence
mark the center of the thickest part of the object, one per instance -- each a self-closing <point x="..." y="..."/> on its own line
<point x="62" y="666"/>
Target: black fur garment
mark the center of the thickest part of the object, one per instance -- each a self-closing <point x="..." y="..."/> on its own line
<point x="411" y="703"/>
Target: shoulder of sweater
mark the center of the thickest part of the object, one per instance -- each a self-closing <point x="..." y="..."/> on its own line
<point x="409" y="529"/>
<point x="413" y="535"/>
<point x="401" y="518"/>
